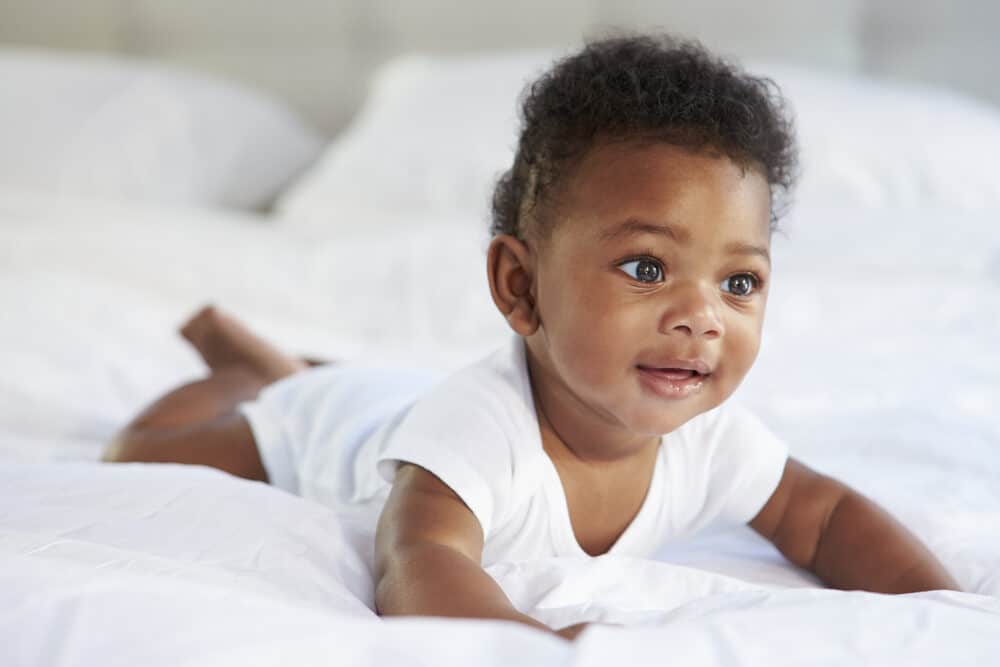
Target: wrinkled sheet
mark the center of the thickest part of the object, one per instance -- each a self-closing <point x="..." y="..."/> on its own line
<point x="879" y="366"/>
<point x="167" y="565"/>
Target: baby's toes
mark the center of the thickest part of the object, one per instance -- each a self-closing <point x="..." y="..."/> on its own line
<point x="201" y="324"/>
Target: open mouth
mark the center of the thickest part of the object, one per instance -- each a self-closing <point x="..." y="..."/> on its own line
<point x="675" y="373"/>
<point x="671" y="382"/>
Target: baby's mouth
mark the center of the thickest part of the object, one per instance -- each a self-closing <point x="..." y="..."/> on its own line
<point x="681" y="368"/>
<point x="673" y="373"/>
<point x="671" y="381"/>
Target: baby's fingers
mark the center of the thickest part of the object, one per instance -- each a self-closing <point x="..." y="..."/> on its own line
<point x="571" y="631"/>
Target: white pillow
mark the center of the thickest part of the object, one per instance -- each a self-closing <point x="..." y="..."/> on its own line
<point x="128" y="130"/>
<point x="436" y="132"/>
<point x="883" y="142"/>
<point x="433" y="136"/>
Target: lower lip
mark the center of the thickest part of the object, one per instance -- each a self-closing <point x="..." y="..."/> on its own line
<point x="667" y="387"/>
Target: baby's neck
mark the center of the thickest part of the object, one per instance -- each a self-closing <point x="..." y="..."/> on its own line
<point x="597" y="448"/>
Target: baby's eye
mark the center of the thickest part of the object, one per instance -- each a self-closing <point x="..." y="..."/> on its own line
<point x="740" y="284"/>
<point x="643" y="270"/>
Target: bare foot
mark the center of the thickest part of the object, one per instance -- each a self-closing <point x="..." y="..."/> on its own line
<point x="223" y="341"/>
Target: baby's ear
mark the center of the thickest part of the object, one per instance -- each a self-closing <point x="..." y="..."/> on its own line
<point x="511" y="269"/>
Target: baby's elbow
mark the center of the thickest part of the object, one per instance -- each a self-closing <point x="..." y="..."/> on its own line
<point x="404" y="579"/>
<point x="386" y="594"/>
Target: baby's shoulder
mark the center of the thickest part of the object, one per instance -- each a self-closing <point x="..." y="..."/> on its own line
<point x="492" y="392"/>
<point x="473" y="431"/>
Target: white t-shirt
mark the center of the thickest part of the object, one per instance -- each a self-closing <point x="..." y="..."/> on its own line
<point x="478" y="432"/>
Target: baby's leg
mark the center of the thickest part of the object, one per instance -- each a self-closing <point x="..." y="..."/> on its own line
<point x="225" y="342"/>
<point x="198" y="423"/>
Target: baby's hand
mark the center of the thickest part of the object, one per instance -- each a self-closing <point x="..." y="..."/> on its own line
<point x="571" y="631"/>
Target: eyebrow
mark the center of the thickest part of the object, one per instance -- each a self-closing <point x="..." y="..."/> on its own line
<point x="739" y="248"/>
<point x="636" y="227"/>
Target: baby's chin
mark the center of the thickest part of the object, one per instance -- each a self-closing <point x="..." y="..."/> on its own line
<point x="656" y="425"/>
<point x="658" y="420"/>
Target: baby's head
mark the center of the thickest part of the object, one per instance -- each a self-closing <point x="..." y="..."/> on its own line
<point x="632" y="233"/>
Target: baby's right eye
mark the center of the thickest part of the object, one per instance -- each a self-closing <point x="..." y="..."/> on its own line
<point x="643" y="270"/>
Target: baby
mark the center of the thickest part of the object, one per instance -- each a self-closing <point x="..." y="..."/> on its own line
<point x="630" y="258"/>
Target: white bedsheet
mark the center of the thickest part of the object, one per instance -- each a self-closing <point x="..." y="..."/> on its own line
<point x="166" y="565"/>
<point x="880" y="366"/>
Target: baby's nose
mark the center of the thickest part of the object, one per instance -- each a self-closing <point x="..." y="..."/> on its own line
<point x="692" y="313"/>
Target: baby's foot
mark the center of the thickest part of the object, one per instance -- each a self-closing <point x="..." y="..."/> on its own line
<point x="223" y="341"/>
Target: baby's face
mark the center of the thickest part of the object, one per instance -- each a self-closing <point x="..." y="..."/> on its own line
<point x="652" y="285"/>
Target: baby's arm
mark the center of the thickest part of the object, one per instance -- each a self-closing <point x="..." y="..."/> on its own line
<point x="428" y="549"/>
<point x="848" y="541"/>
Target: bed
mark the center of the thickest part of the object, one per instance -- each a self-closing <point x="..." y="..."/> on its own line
<point x="879" y="366"/>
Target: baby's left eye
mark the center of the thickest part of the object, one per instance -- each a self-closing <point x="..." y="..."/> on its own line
<point x="740" y="284"/>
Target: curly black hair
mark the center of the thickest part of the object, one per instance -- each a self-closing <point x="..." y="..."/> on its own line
<point x="644" y="87"/>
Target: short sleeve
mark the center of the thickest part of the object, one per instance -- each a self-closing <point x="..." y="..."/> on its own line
<point x="459" y="433"/>
<point x="747" y="463"/>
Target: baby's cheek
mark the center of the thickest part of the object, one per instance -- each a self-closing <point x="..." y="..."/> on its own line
<point x="588" y="357"/>
<point x="742" y="346"/>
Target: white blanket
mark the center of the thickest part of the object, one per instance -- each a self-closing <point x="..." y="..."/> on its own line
<point x="879" y="366"/>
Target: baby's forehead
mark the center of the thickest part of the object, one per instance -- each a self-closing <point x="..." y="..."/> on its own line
<point x="623" y="163"/>
<point x="661" y="185"/>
